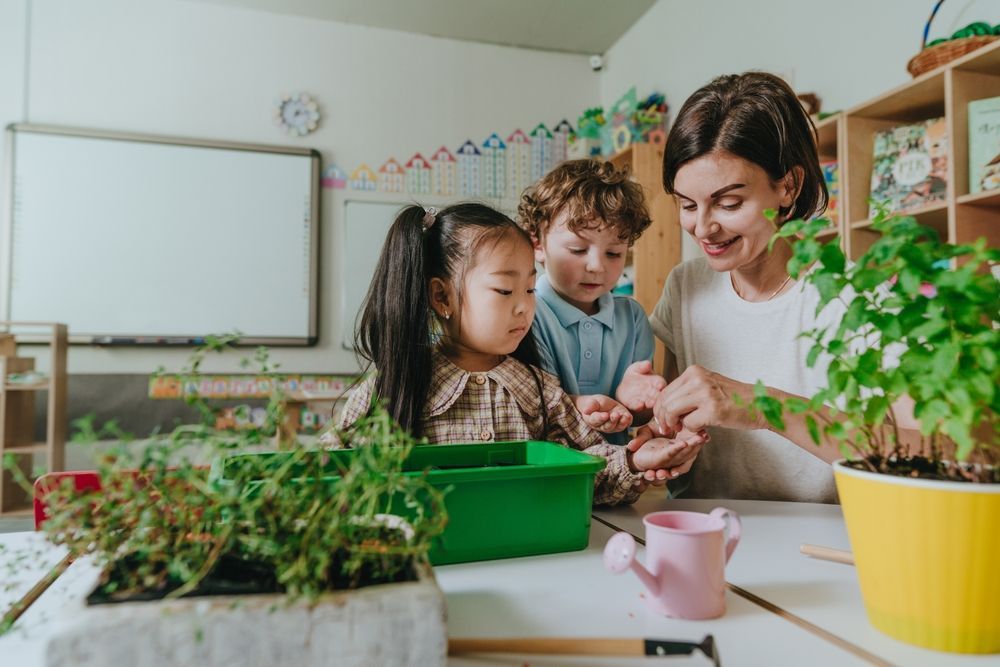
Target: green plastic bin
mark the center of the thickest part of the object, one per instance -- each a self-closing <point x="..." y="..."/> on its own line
<point x="507" y="499"/>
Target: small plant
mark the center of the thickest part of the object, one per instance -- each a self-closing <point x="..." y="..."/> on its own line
<point x="921" y="320"/>
<point x="166" y="524"/>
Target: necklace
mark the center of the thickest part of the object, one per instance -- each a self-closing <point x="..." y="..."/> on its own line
<point x="773" y="294"/>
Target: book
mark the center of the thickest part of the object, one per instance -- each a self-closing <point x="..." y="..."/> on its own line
<point x="910" y="166"/>
<point x="984" y="144"/>
<point x="831" y="175"/>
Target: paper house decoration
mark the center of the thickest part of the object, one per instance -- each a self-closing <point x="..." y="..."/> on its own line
<point x="418" y="175"/>
<point x="494" y="166"/>
<point x="518" y="163"/>
<point x="469" y="165"/>
<point x="363" y="178"/>
<point x="620" y="116"/>
<point x="334" y="178"/>
<point x="391" y="177"/>
<point x="541" y="152"/>
<point x="561" y="134"/>
<point x="443" y="172"/>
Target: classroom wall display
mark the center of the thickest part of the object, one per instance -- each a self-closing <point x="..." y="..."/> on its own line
<point x="139" y="239"/>
<point x="910" y="166"/>
<point x="984" y="144"/>
<point x="501" y="166"/>
<point x="171" y="386"/>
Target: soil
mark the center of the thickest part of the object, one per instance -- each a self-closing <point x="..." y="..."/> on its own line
<point x="920" y="467"/>
<point x="236" y="576"/>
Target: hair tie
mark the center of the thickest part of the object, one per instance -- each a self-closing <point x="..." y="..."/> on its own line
<point x="429" y="218"/>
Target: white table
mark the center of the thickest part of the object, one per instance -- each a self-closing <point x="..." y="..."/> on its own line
<point x="768" y="564"/>
<point x="566" y="595"/>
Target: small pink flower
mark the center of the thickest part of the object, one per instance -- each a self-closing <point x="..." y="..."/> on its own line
<point x="928" y="290"/>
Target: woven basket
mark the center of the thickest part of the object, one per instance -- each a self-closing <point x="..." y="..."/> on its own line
<point x="943" y="53"/>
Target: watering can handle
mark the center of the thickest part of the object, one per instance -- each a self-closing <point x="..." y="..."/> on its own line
<point x="734" y="528"/>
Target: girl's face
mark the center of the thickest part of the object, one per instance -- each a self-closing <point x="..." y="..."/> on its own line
<point x="722" y="201"/>
<point x="498" y="303"/>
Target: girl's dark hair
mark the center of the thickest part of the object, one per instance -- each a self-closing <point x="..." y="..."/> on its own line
<point x="755" y="116"/>
<point x="396" y="331"/>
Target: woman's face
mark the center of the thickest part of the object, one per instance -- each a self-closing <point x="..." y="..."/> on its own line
<point x="722" y="201"/>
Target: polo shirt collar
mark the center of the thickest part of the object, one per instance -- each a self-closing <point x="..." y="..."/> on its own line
<point x="568" y="314"/>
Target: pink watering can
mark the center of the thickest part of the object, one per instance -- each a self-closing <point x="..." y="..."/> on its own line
<point x="686" y="556"/>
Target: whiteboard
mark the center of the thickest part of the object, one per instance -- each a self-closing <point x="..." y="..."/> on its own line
<point x="365" y="227"/>
<point x="136" y="239"/>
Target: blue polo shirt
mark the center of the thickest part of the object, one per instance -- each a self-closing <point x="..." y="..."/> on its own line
<point x="590" y="353"/>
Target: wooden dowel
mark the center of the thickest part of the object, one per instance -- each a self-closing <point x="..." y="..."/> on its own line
<point x="826" y="553"/>
<point x="548" y="645"/>
<point x="36" y="591"/>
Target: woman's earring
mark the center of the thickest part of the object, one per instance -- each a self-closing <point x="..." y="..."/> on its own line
<point x="446" y="315"/>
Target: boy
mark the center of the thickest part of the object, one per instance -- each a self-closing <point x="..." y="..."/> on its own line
<point x="583" y="216"/>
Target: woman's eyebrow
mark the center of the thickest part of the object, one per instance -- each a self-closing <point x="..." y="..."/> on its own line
<point x="717" y="193"/>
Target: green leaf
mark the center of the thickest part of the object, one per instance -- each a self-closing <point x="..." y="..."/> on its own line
<point x="813" y="429"/>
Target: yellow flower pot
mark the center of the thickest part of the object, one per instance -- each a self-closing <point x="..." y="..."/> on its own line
<point x="927" y="558"/>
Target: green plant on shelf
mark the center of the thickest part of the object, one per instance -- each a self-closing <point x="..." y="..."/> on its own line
<point x="921" y="321"/>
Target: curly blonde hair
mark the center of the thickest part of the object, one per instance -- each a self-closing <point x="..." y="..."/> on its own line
<point x="596" y="195"/>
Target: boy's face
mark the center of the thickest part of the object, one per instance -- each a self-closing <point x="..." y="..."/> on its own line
<point x="581" y="266"/>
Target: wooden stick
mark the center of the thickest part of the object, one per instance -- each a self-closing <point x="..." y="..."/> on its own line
<point x="549" y="645"/>
<point x="36" y="591"/>
<point x="826" y="553"/>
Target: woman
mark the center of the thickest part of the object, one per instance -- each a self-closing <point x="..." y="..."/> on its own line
<point x="741" y="145"/>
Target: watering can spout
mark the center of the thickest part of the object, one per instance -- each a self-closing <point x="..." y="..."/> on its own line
<point x="619" y="555"/>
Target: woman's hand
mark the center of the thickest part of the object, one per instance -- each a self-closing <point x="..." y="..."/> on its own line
<point x="701" y="398"/>
<point x="603" y="413"/>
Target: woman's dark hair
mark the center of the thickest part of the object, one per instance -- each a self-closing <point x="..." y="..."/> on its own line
<point x="396" y="331"/>
<point x="755" y="116"/>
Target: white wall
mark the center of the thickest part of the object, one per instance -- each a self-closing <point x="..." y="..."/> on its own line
<point x="846" y="51"/>
<point x="193" y="69"/>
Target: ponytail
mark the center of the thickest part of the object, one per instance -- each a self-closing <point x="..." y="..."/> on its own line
<point x="394" y="331"/>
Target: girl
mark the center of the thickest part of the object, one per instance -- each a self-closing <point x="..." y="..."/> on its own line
<point x="446" y="324"/>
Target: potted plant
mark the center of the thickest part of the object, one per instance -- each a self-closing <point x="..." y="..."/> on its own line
<point x="267" y="566"/>
<point x="921" y="320"/>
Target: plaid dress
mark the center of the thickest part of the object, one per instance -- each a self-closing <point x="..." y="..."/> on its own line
<point x="503" y="404"/>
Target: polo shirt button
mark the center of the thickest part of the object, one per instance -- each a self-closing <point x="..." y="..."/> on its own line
<point x="588" y="354"/>
<point x="480" y="379"/>
<point x="485" y="435"/>
<point x="587" y="325"/>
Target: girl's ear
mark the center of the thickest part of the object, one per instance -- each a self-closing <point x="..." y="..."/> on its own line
<point x="536" y="243"/>
<point x="440" y="297"/>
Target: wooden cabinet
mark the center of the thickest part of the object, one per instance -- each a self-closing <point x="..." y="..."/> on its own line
<point x="658" y="250"/>
<point x="20" y="384"/>
<point x="945" y="92"/>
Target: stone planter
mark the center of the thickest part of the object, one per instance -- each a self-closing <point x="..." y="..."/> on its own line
<point x="391" y="624"/>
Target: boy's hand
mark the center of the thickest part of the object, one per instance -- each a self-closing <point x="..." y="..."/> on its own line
<point x="639" y="386"/>
<point x="661" y="458"/>
<point x="604" y="413"/>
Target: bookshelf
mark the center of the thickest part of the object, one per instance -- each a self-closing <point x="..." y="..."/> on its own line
<point x="658" y="250"/>
<point x="17" y="407"/>
<point x="848" y="137"/>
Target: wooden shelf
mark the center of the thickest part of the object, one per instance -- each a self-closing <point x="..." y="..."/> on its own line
<point x="25" y="449"/>
<point x="17" y="406"/>
<point x="988" y="198"/>
<point x="26" y="386"/>
<point x="934" y="215"/>
<point x="924" y="97"/>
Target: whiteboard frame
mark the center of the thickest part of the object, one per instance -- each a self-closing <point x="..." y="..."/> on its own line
<point x="312" y="336"/>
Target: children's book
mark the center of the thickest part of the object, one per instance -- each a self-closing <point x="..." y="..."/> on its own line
<point x="910" y="166"/>
<point x="984" y="144"/>
<point x="831" y="174"/>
